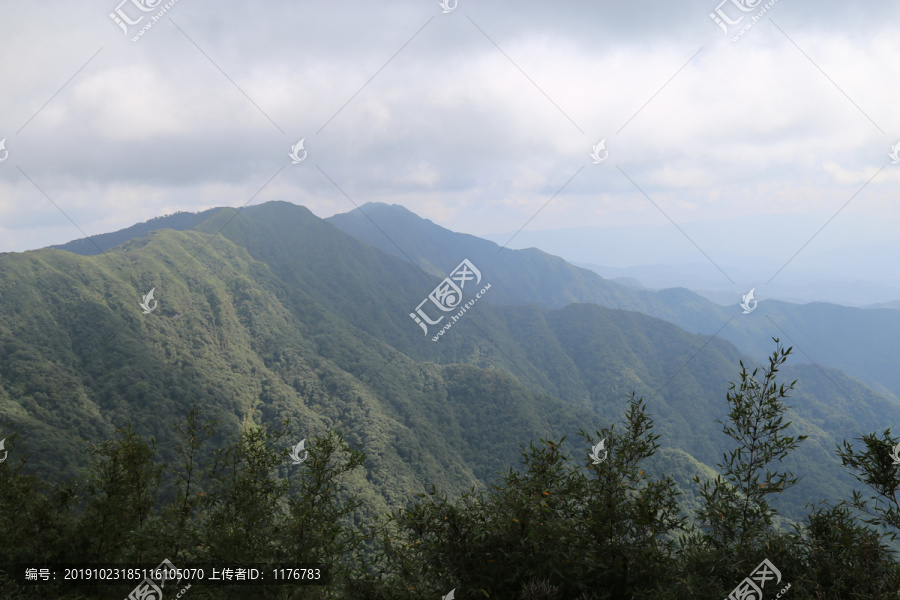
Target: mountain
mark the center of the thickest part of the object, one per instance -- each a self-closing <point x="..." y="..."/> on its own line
<point x="750" y="249"/>
<point x="271" y="313"/>
<point x="861" y="342"/>
<point x="100" y="243"/>
<point x="628" y="281"/>
<point x="798" y="287"/>
<point x="79" y="359"/>
<point x="894" y="304"/>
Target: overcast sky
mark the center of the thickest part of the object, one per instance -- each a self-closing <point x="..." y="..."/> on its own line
<point x="481" y="119"/>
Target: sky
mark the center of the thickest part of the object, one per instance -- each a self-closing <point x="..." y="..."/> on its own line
<point x="481" y="116"/>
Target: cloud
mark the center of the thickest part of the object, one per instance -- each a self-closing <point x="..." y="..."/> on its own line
<point x="486" y="108"/>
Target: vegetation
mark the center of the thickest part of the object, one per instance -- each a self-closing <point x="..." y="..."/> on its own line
<point x="274" y="326"/>
<point x="271" y="313"/>
<point x="559" y="528"/>
<point x="862" y="343"/>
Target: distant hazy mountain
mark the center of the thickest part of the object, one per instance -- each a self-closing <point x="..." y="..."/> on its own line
<point x="797" y="288"/>
<point x="629" y="281"/>
<point x="895" y="305"/>
<point x="821" y="266"/>
<point x="271" y="312"/>
<point x="863" y="343"/>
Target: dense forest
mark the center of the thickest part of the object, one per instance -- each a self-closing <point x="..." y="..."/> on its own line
<point x="590" y="527"/>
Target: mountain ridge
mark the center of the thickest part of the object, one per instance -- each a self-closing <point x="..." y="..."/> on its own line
<point x="271" y="312"/>
<point x="853" y="352"/>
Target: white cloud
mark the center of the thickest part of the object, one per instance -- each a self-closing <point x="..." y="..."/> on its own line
<point x="449" y="127"/>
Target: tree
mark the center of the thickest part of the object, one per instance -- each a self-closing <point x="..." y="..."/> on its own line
<point x="553" y="528"/>
<point x="877" y="469"/>
<point x="120" y="497"/>
<point x="735" y="516"/>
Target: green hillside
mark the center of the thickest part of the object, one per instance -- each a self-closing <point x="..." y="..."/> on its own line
<point x="80" y="360"/>
<point x="272" y="313"/>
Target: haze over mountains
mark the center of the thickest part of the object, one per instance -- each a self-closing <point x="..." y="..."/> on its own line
<point x="271" y="312"/>
<point x="754" y="251"/>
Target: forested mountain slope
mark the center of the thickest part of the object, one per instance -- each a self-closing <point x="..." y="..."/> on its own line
<point x="863" y="343"/>
<point x="272" y="313"/>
